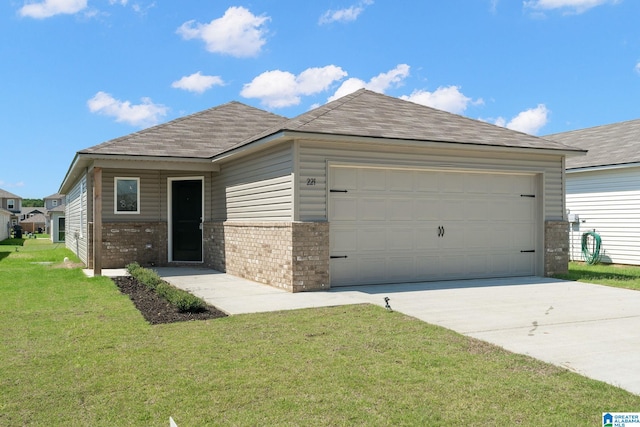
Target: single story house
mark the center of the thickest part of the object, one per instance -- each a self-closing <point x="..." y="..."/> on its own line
<point x="603" y="189"/>
<point x="365" y="189"/>
<point x="34" y="223"/>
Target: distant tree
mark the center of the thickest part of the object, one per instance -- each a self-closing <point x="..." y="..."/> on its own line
<point x="32" y="203"/>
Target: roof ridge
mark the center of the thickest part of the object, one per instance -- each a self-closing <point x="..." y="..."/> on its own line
<point x="336" y="103"/>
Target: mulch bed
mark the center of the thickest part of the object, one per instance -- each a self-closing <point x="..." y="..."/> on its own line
<point x="157" y="310"/>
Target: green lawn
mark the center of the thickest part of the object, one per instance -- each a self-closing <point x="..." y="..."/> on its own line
<point x="75" y="352"/>
<point x="621" y="276"/>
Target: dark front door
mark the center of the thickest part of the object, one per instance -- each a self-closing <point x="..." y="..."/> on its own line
<point x="186" y="210"/>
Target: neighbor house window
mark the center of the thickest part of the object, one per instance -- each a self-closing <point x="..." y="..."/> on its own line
<point x="11" y="204"/>
<point x="127" y="193"/>
<point x="54" y="203"/>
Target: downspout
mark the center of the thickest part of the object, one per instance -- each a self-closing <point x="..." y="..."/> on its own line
<point x="97" y="221"/>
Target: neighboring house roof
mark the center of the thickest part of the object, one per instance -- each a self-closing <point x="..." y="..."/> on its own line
<point x="370" y="114"/>
<point x="200" y="135"/>
<point x="36" y="219"/>
<point x="6" y="195"/>
<point x="54" y="196"/>
<point x="607" y="145"/>
<point x="33" y="210"/>
<point x="59" y="208"/>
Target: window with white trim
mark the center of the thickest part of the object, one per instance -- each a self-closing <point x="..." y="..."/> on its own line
<point x="11" y="204"/>
<point x="127" y="195"/>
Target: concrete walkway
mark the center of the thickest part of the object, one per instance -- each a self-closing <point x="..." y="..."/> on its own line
<point x="590" y="329"/>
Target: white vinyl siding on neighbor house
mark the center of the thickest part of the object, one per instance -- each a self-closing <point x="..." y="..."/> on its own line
<point x="76" y="220"/>
<point x="314" y="159"/>
<point x="5" y="223"/>
<point x="607" y="200"/>
<point x="256" y="187"/>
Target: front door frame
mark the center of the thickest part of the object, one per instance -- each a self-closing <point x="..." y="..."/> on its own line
<point x="170" y="182"/>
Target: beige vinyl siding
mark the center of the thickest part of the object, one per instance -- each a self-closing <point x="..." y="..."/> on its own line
<point x="609" y="202"/>
<point x="256" y="187"/>
<point x="153" y="193"/>
<point x="76" y="213"/>
<point x="314" y="157"/>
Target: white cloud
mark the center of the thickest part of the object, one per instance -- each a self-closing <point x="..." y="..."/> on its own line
<point x="145" y="114"/>
<point x="379" y="83"/>
<point x="344" y="15"/>
<point x="575" y="6"/>
<point x="277" y="89"/>
<point x="197" y="83"/>
<point x="49" y="8"/>
<point x="529" y="121"/>
<point x="237" y="33"/>
<point x="444" y="98"/>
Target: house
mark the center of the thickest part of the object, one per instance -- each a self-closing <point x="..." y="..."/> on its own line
<point x="54" y="204"/>
<point x="603" y="189"/>
<point x="5" y="224"/>
<point x="57" y="224"/>
<point x="11" y="203"/>
<point x="365" y="189"/>
<point x="35" y="223"/>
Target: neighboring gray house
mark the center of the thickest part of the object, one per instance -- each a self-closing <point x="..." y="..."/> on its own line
<point x="53" y="201"/>
<point x="11" y="203"/>
<point x="365" y="189"/>
<point x="603" y="189"/>
<point x="54" y="204"/>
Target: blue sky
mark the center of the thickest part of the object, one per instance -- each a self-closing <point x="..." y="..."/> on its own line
<point x="75" y="73"/>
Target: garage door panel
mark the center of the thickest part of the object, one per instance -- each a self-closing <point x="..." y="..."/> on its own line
<point x="372" y="239"/>
<point x="427" y="182"/>
<point x="408" y="225"/>
<point x="400" y="239"/>
<point x="426" y="209"/>
<point x="372" y="180"/>
<point x="401" y="181"/>
<point x="344" y="209"/>
<point x="426" y="237"/>
<point x="344" y="178"/>
<point x="372" y="209"/>
<point x="344" y="242"/>
<point x="400" y="210"/>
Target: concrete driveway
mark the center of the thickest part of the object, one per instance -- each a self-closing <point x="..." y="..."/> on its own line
<point x="589" y="329"/>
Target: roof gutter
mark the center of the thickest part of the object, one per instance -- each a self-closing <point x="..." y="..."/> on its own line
<point x="83" y="161"/>
<point x="323" y="137"/>
<point x="603" y="167"/>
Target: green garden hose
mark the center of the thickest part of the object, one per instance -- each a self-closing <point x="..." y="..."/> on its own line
<point x="591" y="242"/>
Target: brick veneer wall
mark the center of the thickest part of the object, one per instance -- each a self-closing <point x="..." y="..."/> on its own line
<point x="289" y="255"/>
<point x="556" y="251"/>
<point x="123" y="243"/>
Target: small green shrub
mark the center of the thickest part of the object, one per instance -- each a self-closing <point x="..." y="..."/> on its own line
<point x="182" y="300"/>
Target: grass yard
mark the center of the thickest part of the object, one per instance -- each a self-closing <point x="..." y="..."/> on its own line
<point x="75" y="352"/>
<point x="620" y="276"/>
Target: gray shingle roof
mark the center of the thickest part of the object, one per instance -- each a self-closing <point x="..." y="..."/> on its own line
<point x="200" y="135"/>
<point x="370" y="114"/>
<point x="614" y="144"/>
<point x="363" y="113"/>
<point x="6" y="195"/>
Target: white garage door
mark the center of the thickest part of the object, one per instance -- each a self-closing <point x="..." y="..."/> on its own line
<point x="399" y="225"/>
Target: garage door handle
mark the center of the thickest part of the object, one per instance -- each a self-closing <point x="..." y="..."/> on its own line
<point x="338" y="191"/>
<point x="528" y="251"/>
<point x="440" y="231"/>
<point x="337" y="256"/>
